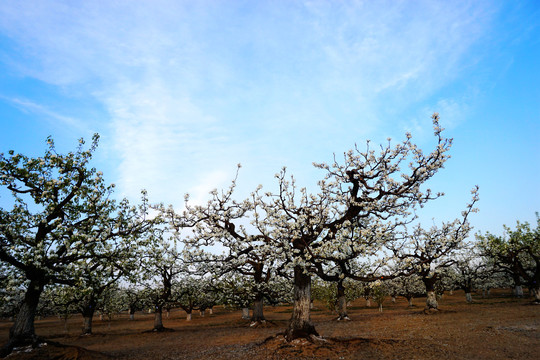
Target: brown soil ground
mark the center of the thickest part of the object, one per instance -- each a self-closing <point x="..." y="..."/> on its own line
<point x="496" y="328"/>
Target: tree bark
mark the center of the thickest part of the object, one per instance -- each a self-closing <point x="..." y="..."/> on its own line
<point x="300" y="324"/>
<point x="158" y="319"/>
<point x="23" y="332"/>
<point x="431" y="301"/>
<point x="188" y="316"/>
<point x="88" y="316"/>
<point x="341" y="302"/>
<point x="410" y="299"/>
<point x="518" y="291"/>
<point x="87" y="324"/>
<point x="258" y="309"/>
<point x="536" y="293"/>
<point x="468" y="297"/>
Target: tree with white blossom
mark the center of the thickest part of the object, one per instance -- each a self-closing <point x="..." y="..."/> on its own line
<point x="432" y="251"/>
<point x="516" y="252"/>
<point x="62" y="215"/>
<point x="236" y="227"/>
<point x="361" y="199"/>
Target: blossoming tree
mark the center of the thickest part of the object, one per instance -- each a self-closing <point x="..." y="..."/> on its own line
<point x="61" y="217"/>
<point x="517" y="253"/>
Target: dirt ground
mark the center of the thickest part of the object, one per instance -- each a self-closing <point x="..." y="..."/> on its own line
<point x="500" y="327"/>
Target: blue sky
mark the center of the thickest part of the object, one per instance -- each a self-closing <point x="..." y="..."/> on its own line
<point x="182" y="91"/>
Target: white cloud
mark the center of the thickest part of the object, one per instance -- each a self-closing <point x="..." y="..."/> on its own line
<point x="53" y="117"/>
<point x="194" y="88"/>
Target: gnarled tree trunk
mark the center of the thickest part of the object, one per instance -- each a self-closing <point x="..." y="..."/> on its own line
<point x="23" y="332"/>
<point x="300" y="324"/>
<point x="341" y="302"/>
<point x="258" y="309"/>
<point x="431" y="301"/>
<point x="158" y="319"/>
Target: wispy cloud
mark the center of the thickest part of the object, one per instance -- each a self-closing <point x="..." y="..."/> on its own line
<point x="192" y="88"/>
<point x="53" y="117"/>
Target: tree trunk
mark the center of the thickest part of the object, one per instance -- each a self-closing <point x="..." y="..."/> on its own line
<point x="393" y="299"/>
<point x="258" y="309"/>
<point x="88" y="315"/>
<point x="131" y="315"/>
<point x="518" y="291"/>
<point x="211" y="311"/>
<point x="245" y="313"/>
<point x="202" y="312"/>
<point x="409" y="299"/>
<point x="22" y="332"/>
<point x="468" y="296"/>
<point x="188" y="316"/>
<point x="87" y="324"/>
<point x="300" y="324"/>
<point x="431" y="301"/>
<point x="380" y="307"/>
<point x="158" y="319"/>
<point x="368" y="302"/>
<point x="536" y="293"/>
<point x="341" y="302"/>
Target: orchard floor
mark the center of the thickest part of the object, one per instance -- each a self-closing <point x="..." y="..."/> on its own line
<point x="496" y="328"/>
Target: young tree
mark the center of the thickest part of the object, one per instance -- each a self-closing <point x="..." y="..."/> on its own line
<point x="135" y="300"/>
<point x="517" y="252"/>
<point x="468" y="272"/>
<point x="224" y="221"/>
<point x="432" y="251"/>
<point x="336" y="295"/>
<point x="62" y="215"/>
<point x="161" y="266"/>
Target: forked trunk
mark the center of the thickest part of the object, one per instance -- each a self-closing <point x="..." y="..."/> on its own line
<point x="300" y="324"/>
<point x="22" y="332"/>
<point x="258" y="309"/>
<point x="341" y="302"/>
